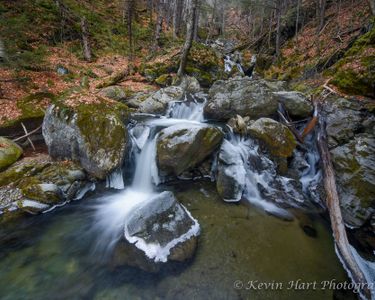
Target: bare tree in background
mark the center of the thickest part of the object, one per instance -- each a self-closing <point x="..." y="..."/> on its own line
<point x="177" y="16"/>
<point x="129" y="10"/>
<point x="192" y="10"/>
<point x="372" y="6"/>
<point x="85" y="40"/>
<point x="159" y="23"/>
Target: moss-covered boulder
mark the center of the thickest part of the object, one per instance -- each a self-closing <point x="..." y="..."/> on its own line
<point x="182" y="147"/>
<point x="278" y="139"/>
<point x="296" y="104"/>
<point x="240" y="96"/>
<point x="37" y="184"/>
<point x="354" y="164"/>
<point x="93" y="135"/>
<point x="113" y="92"/>
<point x="10" y="152"/>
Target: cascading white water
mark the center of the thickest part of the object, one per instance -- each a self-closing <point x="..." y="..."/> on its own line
<point x="242" y="149"/>
<point x="112" y="211"/>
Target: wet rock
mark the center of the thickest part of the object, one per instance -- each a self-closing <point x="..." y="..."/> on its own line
<point x="344" y="119"/>
<point x="180" y="148"/>
<point x="231" y="174"/>
<point x="10" y="152"/>
<point x="242" y="96"/>
<point x="157" y="102"/>
<point x="93" y="135"/>
<point x="296" y="103"/>
<point x="279" y="140"/>
<point x="190" y="85"/>
<point x="35" y="185"/>
<point x="136" y="99"/>
<point x="159" y="231"/>
<point x="238" y="125"/>
<point x="354" y="164"/>
<point x="113" y="92"/>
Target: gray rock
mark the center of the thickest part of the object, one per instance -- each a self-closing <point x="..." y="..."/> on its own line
<point x="35" y="185"/>
<point x="296" y="103"/>
<point x="162" y="221"/>
<point x="94" y="136"/>
<point x="113" y="92"/>
<point x="190" y="85"/>
<point x="354" y="164"/>
<point x="343" y="120"/>
<point x="157" y="102"/>
<point x="10" y="152"/>
<point x="242" y="96"/>
<point x="230" y="181"/>
<point x="180" y="148"/>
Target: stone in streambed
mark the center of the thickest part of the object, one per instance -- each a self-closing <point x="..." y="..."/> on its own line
<point x="94" y="135"/>
<point x="10" y="152"/>
<point x="180" y="148"/>
<point x="278" y="139"/>
<point x="158" y="231"/>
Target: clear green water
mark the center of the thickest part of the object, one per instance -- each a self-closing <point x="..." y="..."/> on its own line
<point x="50" y="256"/>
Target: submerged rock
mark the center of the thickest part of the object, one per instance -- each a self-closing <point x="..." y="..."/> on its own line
<point x="296" y="103"/>
<point x="36" y="185"/>
<point x="354" y="164"/>
<point x="279" y="140"/>
<point x="113" y="92"/>
<point x="10" y="152"/>
<point x="94" y="135"/>
<point x="158" y="231"/>
<point x="180" y="148"/>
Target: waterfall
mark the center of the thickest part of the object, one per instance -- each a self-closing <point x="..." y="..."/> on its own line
<point x="243" y="150"/>
<point x="112" y="211"/>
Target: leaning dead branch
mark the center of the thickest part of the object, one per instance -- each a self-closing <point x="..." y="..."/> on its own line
<point x="333" y="205"/>
<point x="114" y="79"/>
<point x="27" y="134"/>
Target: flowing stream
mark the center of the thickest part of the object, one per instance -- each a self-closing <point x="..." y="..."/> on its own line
<point x="47" y="257"/>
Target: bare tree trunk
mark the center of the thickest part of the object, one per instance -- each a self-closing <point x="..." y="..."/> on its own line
<point x="297" y="19"/>
<point x="333" y="205"/>
<point x="322" y="12"/>
<point x="189" y="37"/>
<point x="196" y="25"/>
<point x="159" y="23"/>
<point x="177" y="15"/>
<point x="85" y="40"/>
<point x="278" y="21"/>
<point x="129" y="6"/>
<point x="372" y="6"/>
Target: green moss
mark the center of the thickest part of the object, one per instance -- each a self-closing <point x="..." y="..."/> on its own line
<point x="9" y="153"/>
<point x="163" y="80"/>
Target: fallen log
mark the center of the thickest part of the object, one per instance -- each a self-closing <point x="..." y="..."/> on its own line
<point x="333" y="204"/>
<point x="114" y="79"/>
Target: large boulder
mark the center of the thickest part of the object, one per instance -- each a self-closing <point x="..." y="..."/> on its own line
<point x="231" y="173"/>
<point x="35" y="185"/>
<point x="344" y="119"/>
<point x="354" y="164"/>
<point x="113" y="92"/>
<point x="158" y="231"/>
<point x="296" y="103"/>
<point x="182" y="147"/>
<point x="10" y="152"/>
<point x="242" y="96"/>
<point x="157" y="102"/>
<point x="278" y="139"/>
<point x="93" y="135"/>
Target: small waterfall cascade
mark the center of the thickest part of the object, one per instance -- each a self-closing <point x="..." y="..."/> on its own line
<point x="112" y="211"/>
<point x="253" y="171"/>
<point x="229" y="64"/>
